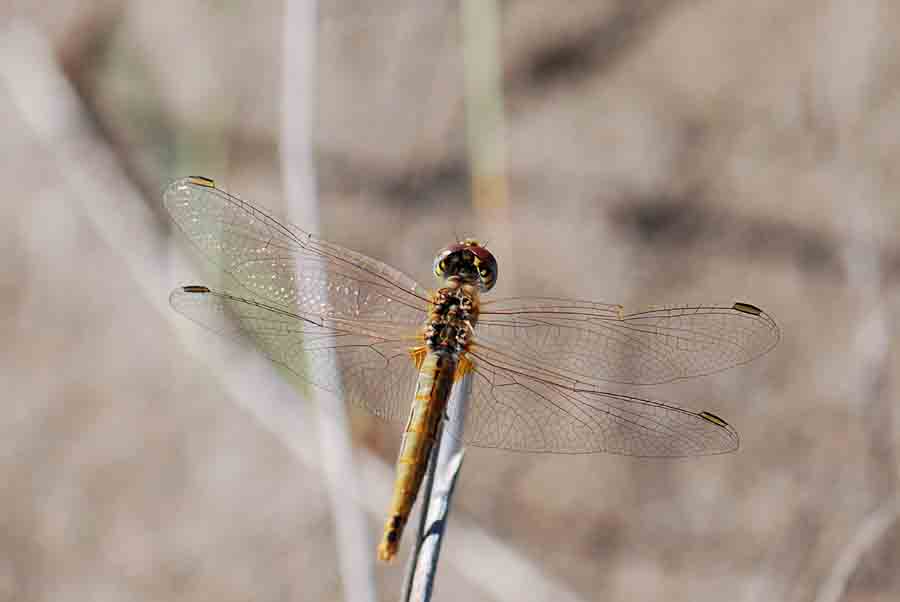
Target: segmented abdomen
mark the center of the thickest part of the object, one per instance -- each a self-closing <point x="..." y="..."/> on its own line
<point x="436" y="374"/>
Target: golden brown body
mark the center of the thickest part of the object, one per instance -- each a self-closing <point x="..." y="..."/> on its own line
<point x="432" y="391"/>
<point x="440" y="361"/>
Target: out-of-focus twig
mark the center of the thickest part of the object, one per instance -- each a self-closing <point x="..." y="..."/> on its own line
<point x="870" y="531"/>
<point x="298" y="86"/>
<point x="485" y="111"/>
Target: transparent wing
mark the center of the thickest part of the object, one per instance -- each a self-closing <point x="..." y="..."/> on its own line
<point x="293" y="270"/>
<point x="372" y="372"/>
<point x="341" y="320"/>
<point x="517" y="412"/>
<point x="584" y="345"/>
<point x="336" y="318"/>
<point x="541" y="366"/>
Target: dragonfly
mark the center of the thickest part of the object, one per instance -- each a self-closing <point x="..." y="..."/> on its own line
<point x="539" y="369"/>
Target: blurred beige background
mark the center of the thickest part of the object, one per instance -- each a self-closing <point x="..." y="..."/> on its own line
<point x="659" y="152"/>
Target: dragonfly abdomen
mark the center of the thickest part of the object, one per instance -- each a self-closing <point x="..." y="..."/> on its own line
<point x="436" y="375"/>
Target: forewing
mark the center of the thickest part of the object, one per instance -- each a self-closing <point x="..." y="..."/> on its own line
<point x="584" y="345"/>
<point x="374" y="373"/>
<point x="290" y="269"/>
<point x="520" y="413"/>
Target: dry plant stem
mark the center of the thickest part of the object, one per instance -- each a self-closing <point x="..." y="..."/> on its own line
<point x="485" y="117"/>
<point x="449" y="464"/>
<point x="298" y="173"/>
<point x="443" y="470"/>
<point x="872" y="529"/>
<point x="486" y="121"/>
<point x="423" y="519"/>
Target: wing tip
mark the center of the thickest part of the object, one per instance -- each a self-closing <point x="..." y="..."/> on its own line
<point x="753" y="310"/>
<point x="721" y="423"/>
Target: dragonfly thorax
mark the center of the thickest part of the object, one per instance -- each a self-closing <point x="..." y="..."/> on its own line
<point x="454" y="312"/>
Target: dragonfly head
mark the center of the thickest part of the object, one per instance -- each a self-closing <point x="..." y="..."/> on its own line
<point x="468" y="261"/>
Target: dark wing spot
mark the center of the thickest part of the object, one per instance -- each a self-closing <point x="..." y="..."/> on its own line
<point x="710" y="417"/>
<point x="201" y="181"/>
<point x="195" y="288"/>
<point x="747" y="308"/>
